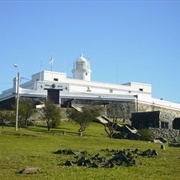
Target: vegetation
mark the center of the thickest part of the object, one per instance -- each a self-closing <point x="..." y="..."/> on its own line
<point x="146" y="134"/>
<point x="6" y="116"/>
<point x="35" y="147"/>
<point x="85" y="117"/>
<point x="110" y="127"/>
<point x="25" y="112"/>
<point x="52" y="115"/>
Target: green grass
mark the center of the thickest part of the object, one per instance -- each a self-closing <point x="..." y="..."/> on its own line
<point x="34" y="147"/>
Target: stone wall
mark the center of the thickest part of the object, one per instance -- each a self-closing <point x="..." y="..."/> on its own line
<point x="165" y="133"/>
<point x="145" y="108"/>
<point x="123" y="111"/>
<point x="113" y="109"/>
<point x="120" y="110"/>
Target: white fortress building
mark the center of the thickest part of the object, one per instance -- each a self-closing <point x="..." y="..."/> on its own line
<point x="57" y="86"/>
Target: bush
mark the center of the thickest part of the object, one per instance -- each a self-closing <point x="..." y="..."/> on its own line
<point x="146" y="134"/>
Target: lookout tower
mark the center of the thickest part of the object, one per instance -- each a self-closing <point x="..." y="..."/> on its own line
<point x="82" y="69"/>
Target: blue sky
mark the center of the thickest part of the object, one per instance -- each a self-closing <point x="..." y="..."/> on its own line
<point x="124" y="41"/>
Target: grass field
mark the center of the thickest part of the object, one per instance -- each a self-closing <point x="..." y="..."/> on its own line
<point x="34" y="147"/>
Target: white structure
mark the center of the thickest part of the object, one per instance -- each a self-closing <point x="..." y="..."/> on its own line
<point x="82" y="69"/>
<point x="81" y="87"/>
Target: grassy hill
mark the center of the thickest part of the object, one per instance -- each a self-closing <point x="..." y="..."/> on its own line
<point x="35" y="147"/>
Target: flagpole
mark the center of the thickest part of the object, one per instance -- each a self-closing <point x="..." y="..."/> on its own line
<point x="51" y="62"/>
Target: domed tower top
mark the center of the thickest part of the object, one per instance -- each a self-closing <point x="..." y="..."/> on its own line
<point x="82" y="69"/>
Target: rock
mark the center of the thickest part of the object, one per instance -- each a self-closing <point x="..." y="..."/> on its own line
<point x="68" y="163"/>
<point x="95" y="165"/>
<point x="68" y="152"/>
<point x="102" y="159"/>
<point x="163" y="147"/>
<point x="123" y="157"/>
<point x="154" y="153"/>
<point x="97" y="155"/>
<point x="157" y="141"/>
<point x="163" y="140"/>
<point x="110" y="165"/>
<point x="147" y="152"/>
<point x="32" y="170"/>
<point x="117" y="158"/>
<point x="83" y="161"/>
<point x="136" y="151"/>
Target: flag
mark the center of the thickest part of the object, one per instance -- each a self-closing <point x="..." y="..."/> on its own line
<point x="51" y="61"/>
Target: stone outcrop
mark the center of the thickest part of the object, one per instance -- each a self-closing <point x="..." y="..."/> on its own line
<point x="109" y="159"/>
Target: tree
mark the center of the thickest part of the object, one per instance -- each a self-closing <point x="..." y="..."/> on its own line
<point x="2" y="118"/>
<point x="5" y="116"/>
<point x="52" y="115"/>
<point x="85" y="117"/>
<point x="110" y="127"/>
<point x="25" y="112"/>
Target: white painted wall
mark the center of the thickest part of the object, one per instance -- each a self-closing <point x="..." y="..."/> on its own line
<point x="80" y="88"/>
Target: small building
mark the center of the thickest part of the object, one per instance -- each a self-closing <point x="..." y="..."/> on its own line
<point x="153" y="119"/>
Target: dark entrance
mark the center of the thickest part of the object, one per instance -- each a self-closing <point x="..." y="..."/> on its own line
<point x="176" y="123"/>
<point x="53" y="95"/>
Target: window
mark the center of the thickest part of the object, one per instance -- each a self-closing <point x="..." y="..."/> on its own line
<point x="55" y="79"/>
<point x="111" y="90"/>
<point x="140" y="89"/>
<point x="88" y="89"/>
<point x="164" y="124"/>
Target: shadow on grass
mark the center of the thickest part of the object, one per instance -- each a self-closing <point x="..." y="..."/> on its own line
<point x="53" y="131"/>
<point x="18" y="133"/>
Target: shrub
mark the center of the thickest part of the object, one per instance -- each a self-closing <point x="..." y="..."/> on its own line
<point x="146" y="134"/>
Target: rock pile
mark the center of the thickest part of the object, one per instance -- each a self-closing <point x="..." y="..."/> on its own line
<point x="165" y="133"/>
<point x="110" y="159"/>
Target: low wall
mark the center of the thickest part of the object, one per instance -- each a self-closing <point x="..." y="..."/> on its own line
<point x="123" y="110"/>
